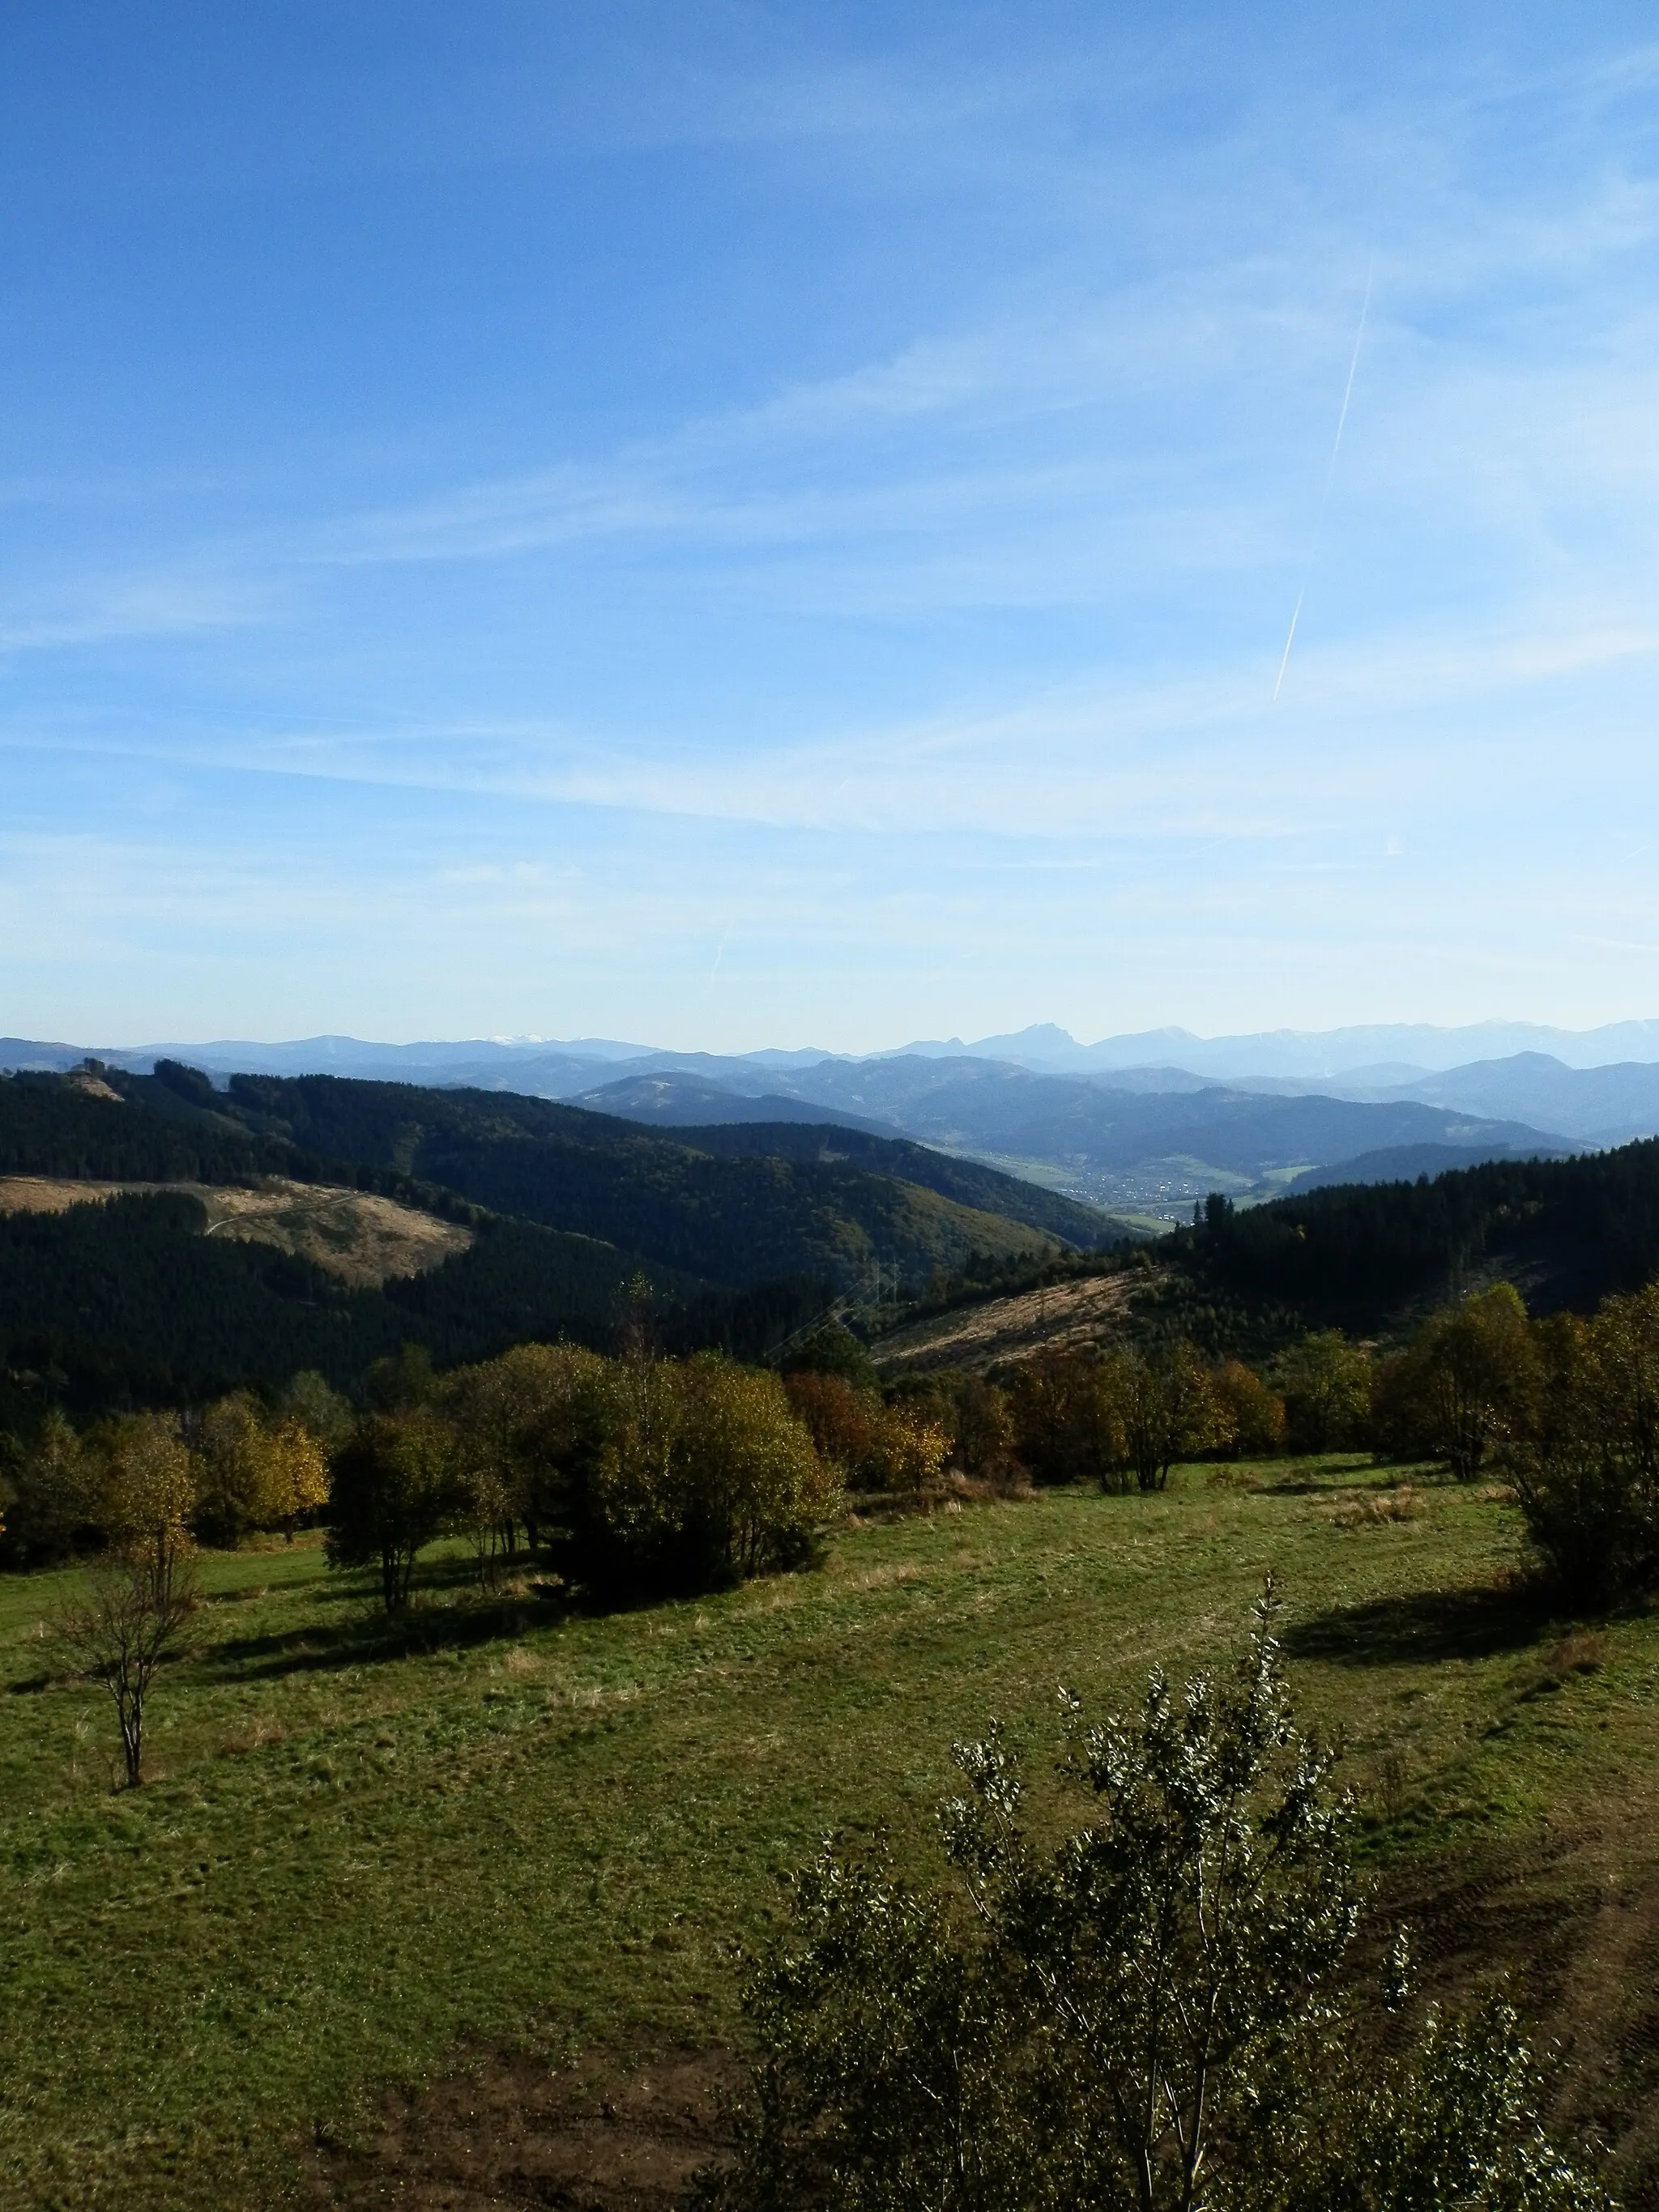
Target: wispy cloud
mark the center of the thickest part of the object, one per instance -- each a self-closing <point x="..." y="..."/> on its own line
<point x="962" y="558"/>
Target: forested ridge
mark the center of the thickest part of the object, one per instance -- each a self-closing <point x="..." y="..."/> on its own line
<point x="718" y="1203"/>
<point x="52" y="1126"/>
<point x="968" y="1183"/>
<point x="735" y="1212"/>
<point x="1570" y="1230"/>
<point x="126" y="1302"/>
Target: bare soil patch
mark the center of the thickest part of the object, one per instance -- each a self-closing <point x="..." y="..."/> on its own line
<point x="608" y="2134"/>
<point x="362" y="1239"/>
<point x="1086" y="1312"/>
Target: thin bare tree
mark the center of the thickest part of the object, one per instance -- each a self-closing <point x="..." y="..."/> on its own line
<point x="133" y="1613"/>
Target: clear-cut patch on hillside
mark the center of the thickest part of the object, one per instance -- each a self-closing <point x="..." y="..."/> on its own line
<point x="1079" y="1313"/>
<point x="364" y="1240"/>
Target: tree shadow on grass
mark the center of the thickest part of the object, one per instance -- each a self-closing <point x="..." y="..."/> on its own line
<point x="1344" y="1478"/>
<point x="370" y="1637"/>
<point x="1423" y="1626"/>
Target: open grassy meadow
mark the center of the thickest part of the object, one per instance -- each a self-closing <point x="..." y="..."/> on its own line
<point x="364" y="1863"/>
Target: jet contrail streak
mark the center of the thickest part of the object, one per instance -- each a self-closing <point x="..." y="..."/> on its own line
<point x="1285" y="659"/>
<point x="1330" y="471"/>
<point x="1348" y="389"/>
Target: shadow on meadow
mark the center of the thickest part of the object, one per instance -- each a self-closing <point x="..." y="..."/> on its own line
<point x="447" y="1612"/>
<point x="1420" y="1627"/>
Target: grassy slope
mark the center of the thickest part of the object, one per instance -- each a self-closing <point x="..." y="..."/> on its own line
<point x="352" y="1867"/>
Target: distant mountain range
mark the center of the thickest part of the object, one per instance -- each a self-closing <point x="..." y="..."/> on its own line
<point x="1140" y="1124"/>
<point x="1406" y="1047"/>
<point x="1380" y="1053"/>
<point x="1131" y="1150"/>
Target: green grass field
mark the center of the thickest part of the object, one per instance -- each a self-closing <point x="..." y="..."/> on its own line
<point x="358" y="1862"/>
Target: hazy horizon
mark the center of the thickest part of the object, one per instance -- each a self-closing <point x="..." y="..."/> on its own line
<point x="1438" y="1045"/>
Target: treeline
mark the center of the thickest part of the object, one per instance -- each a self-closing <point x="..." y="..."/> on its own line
<point x="143" y="1483"/>
<point x="1356" y="1253"/>
<point x="1121" y="1418"/>
<point x="632" y="1476"/>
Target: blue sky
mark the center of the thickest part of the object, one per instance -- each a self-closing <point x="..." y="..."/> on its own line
<point x="734" y="525"/>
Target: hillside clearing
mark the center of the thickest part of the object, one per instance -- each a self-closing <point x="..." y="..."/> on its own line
<point x="1057" y="1315"/>
<point x="364" y="1862"/>
<point x="358" y="1237"/>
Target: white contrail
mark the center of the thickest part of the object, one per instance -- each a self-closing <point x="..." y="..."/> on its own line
<point x="1330" y="471"/>
<point x="1348" y="389"/>
<point x="1285" y="658"/>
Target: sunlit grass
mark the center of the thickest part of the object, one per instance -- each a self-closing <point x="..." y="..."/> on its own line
<point x="360" y="1854"/>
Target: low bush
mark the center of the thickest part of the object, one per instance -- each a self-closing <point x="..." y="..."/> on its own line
<point x="1585" y="1464"/>
<point x="877" y="1446"/>
<point x="1149" y="2014"/>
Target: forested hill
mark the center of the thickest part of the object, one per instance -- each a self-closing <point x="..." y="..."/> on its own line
<point x="127" y="1302"/>
<point x="735" y="1216"/>
<point x="1567" y="1231"/>
<point x="53" y="1125"/>
<point x="968" y="1183"/>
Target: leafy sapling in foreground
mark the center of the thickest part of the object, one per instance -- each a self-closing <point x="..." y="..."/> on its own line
<point x="1149" y="2013"/>
<point x="1177" y="1942"/>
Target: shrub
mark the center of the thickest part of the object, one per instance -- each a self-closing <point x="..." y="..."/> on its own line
<point x="704" y="1477"/>
<point x="230" y="1444"/>
<point x="133" y="1614"/>
<point x="1163" y="1406"/>
<point x="1325" y="1383"/>
<point x="253" y="1473"/>
<point x="1466" y="1381"/>
<point x="910" y="1450"/>
<point x="527" y="1425"/>
<point x="1586" y="1466"/>
<point x="1148" y="2014"/>
<point x="1249" y="1418"/>
<point x="755" y="1492"/>
<point x="879" y="1446"/>
<point x="144" y="1487"/>
<point x="984" y="1428"/>
<point x="1068" y="1423"/>
<point x="53" y="1501"/>
<point x="324" y="1413"/>
<point x="842" y="1421"/>
<point x="293" y="1478"/>
<point x="831" y="1350"/>
<point x="1450" y="2120"/>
